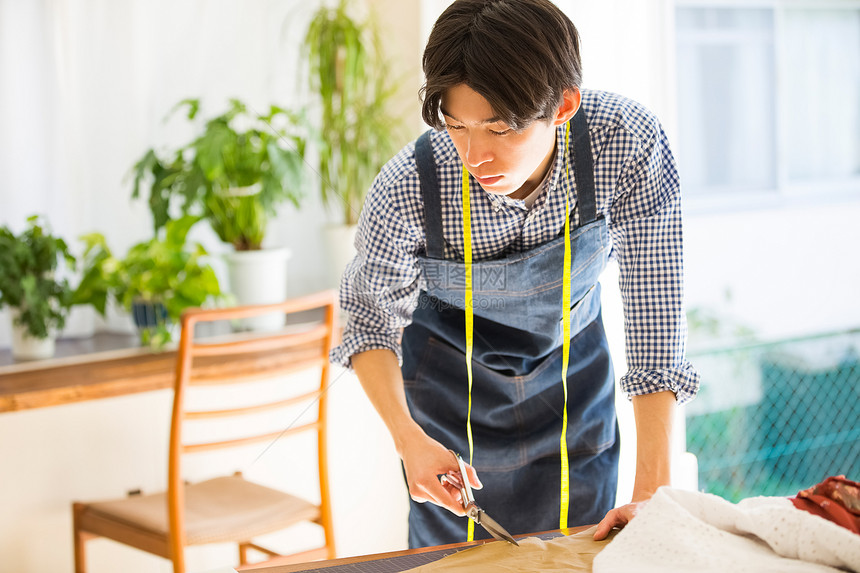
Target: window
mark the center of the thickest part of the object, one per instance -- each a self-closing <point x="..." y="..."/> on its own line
<point x="769" y="97"/>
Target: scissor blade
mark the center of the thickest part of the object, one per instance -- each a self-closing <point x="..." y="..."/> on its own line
<point x="496" y="530"/>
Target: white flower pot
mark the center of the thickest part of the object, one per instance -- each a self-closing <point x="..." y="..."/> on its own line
<point x="27" y="347"/>
<point x="339" y="242"/>
<point x="259" y="277"/>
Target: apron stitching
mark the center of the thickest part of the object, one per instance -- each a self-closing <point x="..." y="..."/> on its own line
<point x="546" y="286"/>
<point x="426" y="356"/>
<point x="593" y="227"/>
<point x="582" y="298"/>
<point x="598" y="449"/>
<point x="546" y="363"/>
<point x="520" y="382"/>
<point x="527" y="460"/>
<point x="433" y="341"/>
<point x="520" y="422"/>
<point x="551" y="285"/>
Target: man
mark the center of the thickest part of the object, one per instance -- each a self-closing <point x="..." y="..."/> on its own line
<point x="463" y="244"/>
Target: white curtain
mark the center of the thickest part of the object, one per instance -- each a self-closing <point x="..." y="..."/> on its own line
<point x="86" y="84"/>
<point x="725" y="99"/>
<point x="821" y="91"/>
<point x="28" y="114"/>
<point x="767" y="96"/>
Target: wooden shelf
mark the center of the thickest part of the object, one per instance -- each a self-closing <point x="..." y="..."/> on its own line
<point x="106" y="372"/>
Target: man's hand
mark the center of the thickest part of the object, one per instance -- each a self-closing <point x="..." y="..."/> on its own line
<point x="618" y="517"/>
<point x="424" y="460"/>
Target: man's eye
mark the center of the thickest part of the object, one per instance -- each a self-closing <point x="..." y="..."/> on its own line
<point x="502" y="132"/>
<point x="450" y="127"/>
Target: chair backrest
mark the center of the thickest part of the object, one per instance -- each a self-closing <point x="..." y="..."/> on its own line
<point x="245" y="357"/>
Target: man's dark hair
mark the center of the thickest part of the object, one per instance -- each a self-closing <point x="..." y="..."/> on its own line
<point x="520" y="55"/>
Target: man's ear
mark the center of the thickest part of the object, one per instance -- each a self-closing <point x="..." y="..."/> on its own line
<point x="570" y="100"/>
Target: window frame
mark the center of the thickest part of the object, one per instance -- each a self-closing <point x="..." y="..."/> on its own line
<point x="785" y="193"/>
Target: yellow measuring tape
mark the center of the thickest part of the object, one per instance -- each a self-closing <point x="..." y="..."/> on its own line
<point x="470" y="320"/>
<point x="565" y="320"/>
<point x="470" y="326"/>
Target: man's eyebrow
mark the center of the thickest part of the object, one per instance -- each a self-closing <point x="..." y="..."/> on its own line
<point x="495" y="119"/>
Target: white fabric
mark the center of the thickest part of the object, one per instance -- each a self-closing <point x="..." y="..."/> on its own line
<point x="688" y="531"/>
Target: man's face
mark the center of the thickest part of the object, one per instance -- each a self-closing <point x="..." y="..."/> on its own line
<point x="504" y="161"/>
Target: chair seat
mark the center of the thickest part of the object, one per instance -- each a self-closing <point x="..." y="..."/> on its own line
<point x="221" y="509"/>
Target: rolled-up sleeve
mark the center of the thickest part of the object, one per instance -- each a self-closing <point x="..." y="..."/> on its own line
<point x="647" y="241"/>
<point x="379" y="287"/>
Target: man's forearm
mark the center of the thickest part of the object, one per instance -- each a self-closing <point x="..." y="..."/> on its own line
<point x="423" y="457"/>
<point x="654" y="415"/>
<point x="380" y="376"/>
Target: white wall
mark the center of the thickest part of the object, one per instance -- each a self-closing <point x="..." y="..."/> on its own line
<point x="789" y="270"/>
<point x="68" y="137"/>
<point x="83" y="91"/>
<point x="102" y="449"/>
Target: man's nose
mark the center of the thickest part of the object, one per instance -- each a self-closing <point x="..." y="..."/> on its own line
<point x="478" y="151"/>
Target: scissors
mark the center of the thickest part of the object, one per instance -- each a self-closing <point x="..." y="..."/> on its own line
<point x="473" y="511"/>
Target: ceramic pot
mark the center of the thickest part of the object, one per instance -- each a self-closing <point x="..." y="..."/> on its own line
<point x="259" y="277"/>
<point x="28" y="347"/>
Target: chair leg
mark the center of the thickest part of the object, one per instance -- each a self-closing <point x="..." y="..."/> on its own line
<point x="79" y="539"/>
<point x="244" y="546"/>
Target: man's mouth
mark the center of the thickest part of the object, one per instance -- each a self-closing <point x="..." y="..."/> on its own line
<point x="489" y="180"/>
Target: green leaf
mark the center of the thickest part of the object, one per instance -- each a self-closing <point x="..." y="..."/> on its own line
<point x="357" y="134"/>
<point x="193" y="107"/>
<point x="29" y="269"/>
<point x="178" y="229"/>
<point x="266" y="149"/>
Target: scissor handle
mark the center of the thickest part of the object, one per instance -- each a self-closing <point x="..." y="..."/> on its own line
<point x="465" y="487"/>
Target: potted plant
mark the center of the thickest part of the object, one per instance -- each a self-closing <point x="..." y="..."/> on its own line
<point x="235" y="175"/>
<point x="358" y="132"/>
<point x="29" y="284"/>
<point x="155" y="281"/>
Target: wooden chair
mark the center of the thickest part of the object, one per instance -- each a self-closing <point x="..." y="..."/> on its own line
<point x="229" y="508"/>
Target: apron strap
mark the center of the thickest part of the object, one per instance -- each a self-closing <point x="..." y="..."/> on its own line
<point x="583" y="168"/>
<point x="435" y="244"/>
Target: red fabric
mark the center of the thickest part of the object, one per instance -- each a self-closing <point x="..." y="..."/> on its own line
<point x="836" y="499"/>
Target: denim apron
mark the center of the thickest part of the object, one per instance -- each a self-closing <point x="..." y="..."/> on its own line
<point x="517" y="395"/>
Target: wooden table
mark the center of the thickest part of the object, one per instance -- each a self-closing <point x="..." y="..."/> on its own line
<point x="108" y="365"/>
<point x="101" y="366"/>
<point x="383" y="561"/>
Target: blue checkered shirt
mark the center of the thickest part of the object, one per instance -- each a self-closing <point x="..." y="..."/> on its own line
<point x="637" y="190"/>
